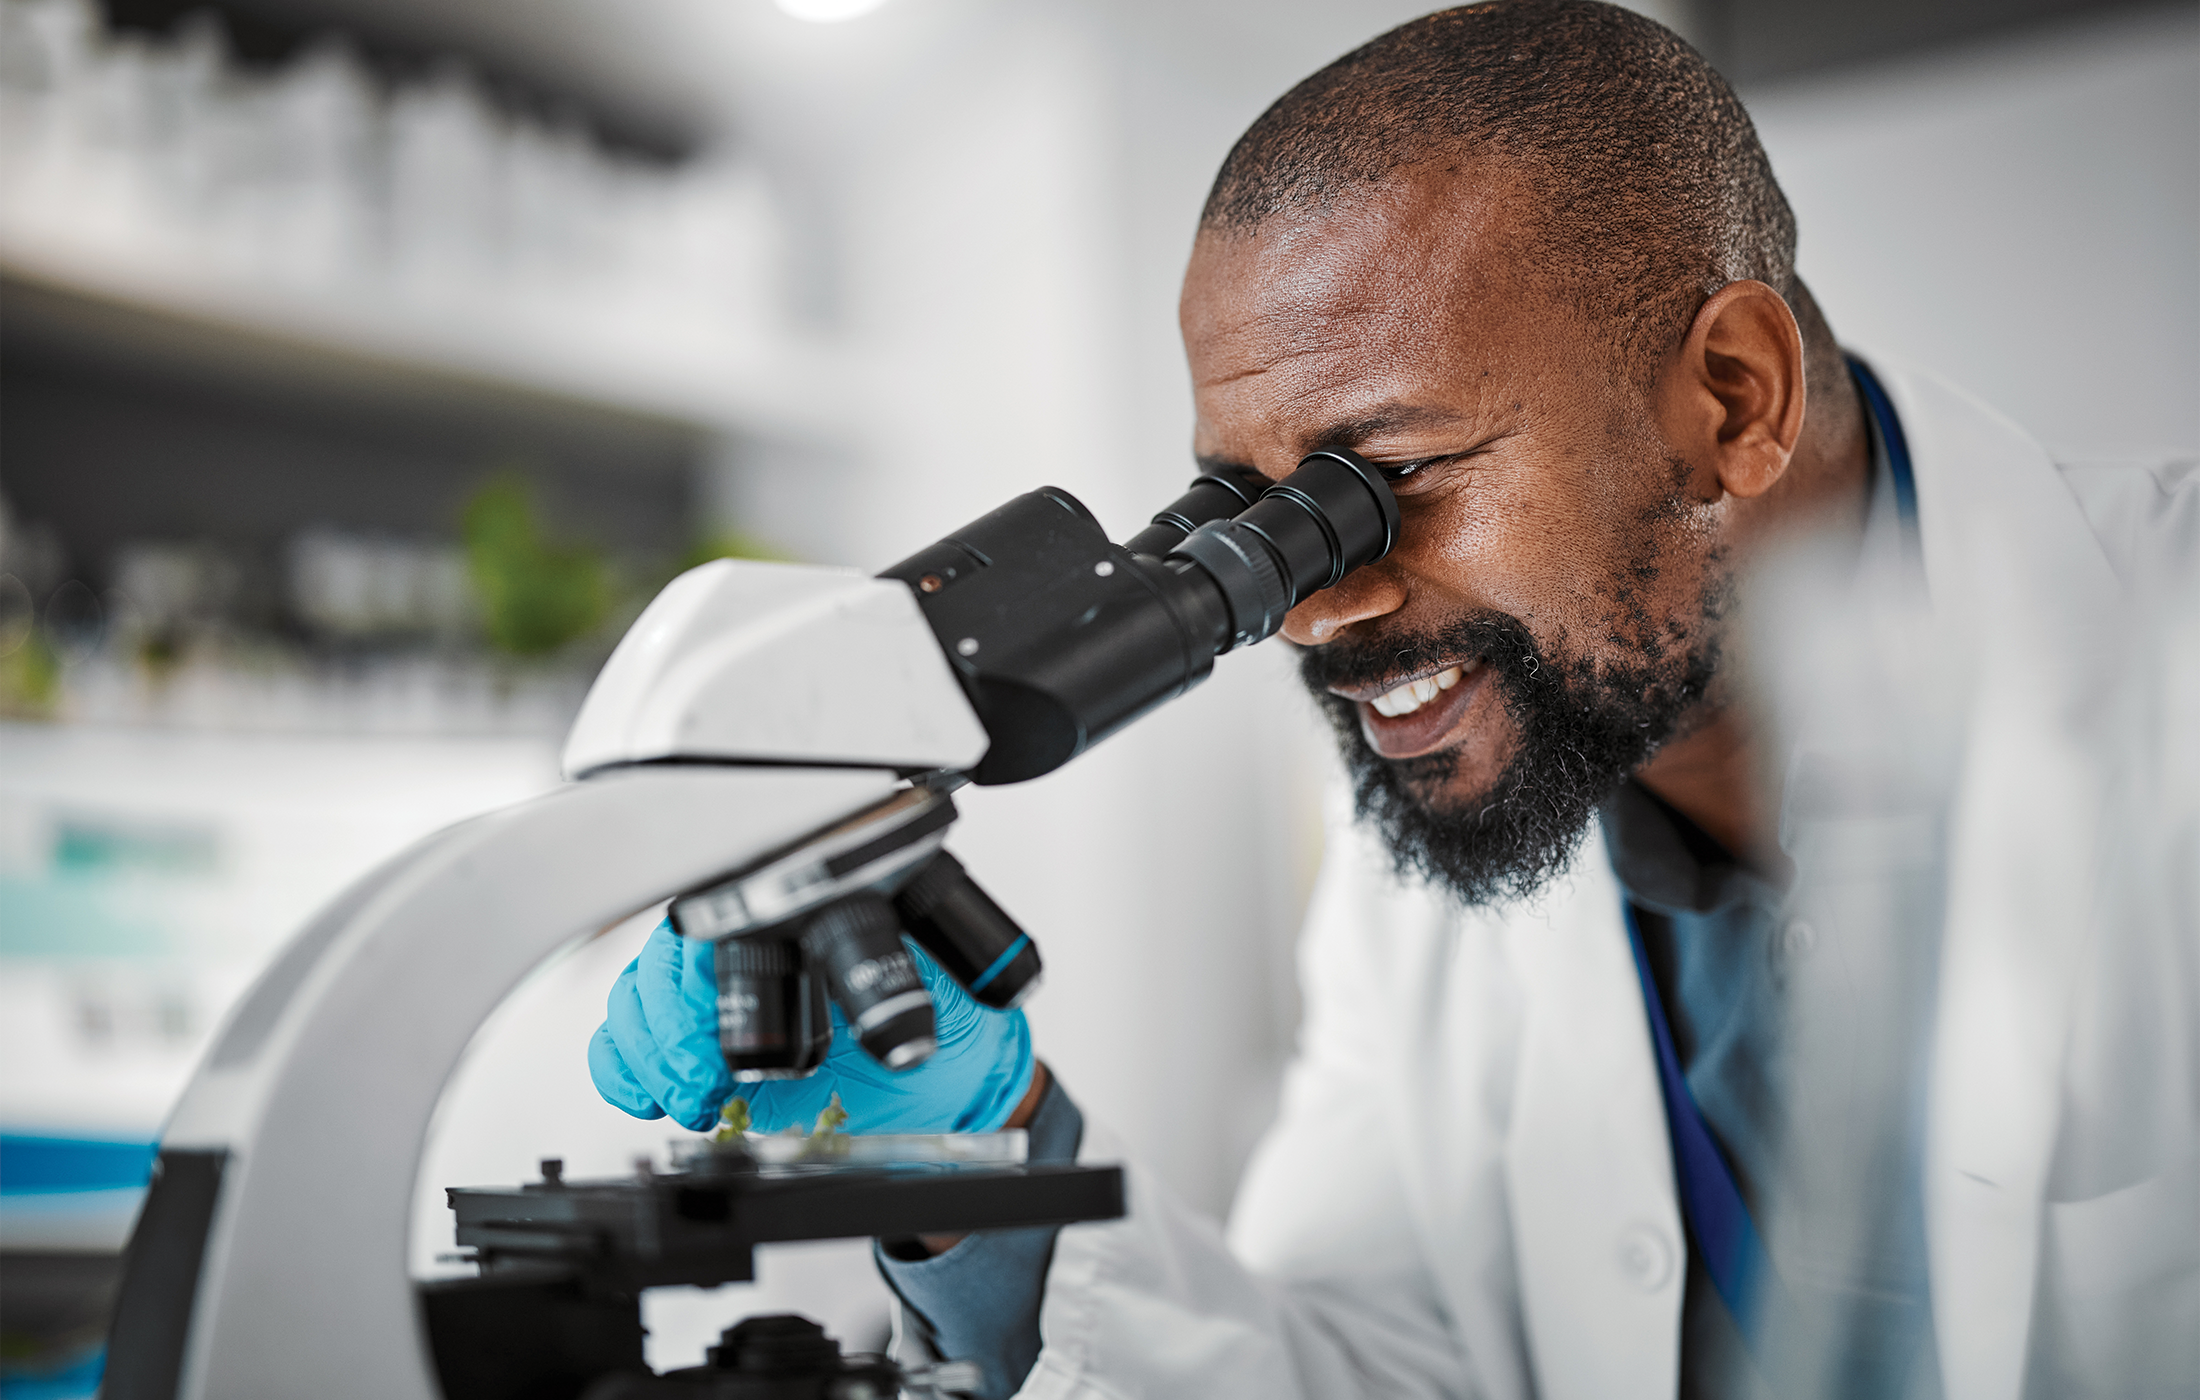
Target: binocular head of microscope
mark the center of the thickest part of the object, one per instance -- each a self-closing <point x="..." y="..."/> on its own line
<point x="1056" y="638"/>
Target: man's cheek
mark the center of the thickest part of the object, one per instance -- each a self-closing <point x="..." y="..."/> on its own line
<point x="1467" y="771"/>
<point x="1484" y="757"/>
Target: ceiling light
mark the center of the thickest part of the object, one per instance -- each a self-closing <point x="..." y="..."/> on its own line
<point x="827" y="11"/>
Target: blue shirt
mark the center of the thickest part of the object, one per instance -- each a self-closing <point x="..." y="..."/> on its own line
<point x="980" y="1300"/>
<point x="1726" y="945"/>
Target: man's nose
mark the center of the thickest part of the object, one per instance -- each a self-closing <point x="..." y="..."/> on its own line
<point x="1368" y="592"/>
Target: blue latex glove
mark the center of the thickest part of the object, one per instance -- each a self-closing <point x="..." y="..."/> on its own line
<point x="656" y="1054"/>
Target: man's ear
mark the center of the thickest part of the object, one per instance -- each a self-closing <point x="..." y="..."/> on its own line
<point x="1732" y="397"/>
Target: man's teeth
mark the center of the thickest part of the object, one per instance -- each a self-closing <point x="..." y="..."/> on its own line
<point x="1414" y="694"/>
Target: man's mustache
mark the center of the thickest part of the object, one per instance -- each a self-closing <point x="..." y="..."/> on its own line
<point x="1359" y="661"/>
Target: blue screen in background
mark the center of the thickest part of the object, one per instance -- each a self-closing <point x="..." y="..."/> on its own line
<point x="43" y="1172"/>
<point x="35" y="1165"/>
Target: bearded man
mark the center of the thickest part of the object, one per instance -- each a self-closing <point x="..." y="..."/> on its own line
<point x="1559" y="1123"/>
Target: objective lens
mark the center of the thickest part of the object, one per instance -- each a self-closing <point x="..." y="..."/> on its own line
<point x="968" y="934"/>
<point x="874" y="977"/>
<point x="772" y="1018"/>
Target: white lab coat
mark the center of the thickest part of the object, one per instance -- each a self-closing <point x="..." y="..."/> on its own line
<point x="1469" y="1191"/>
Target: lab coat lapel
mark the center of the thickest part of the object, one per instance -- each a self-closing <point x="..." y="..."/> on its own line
<point x="2014" y="572"/>
<point x="1601" y="1257"/>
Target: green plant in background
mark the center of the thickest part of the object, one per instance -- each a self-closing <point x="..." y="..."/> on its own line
<point x="731" y="544"/>
<point x="712" y="544"/>
<point x="30" y="678"/>
<point x="536" y="594"/>
<point x="30" y="673"/>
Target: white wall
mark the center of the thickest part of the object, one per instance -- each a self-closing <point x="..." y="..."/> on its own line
<point x="2022" y="217"/>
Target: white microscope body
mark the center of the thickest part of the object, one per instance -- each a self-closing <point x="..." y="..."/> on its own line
<point x="751" y="708"/>
<point x="271" y="1258"/>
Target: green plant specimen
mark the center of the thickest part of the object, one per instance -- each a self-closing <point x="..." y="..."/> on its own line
<point x="826" y="1140"/>
<point x="536" y="594"/>
<point x="733" y="1120"/>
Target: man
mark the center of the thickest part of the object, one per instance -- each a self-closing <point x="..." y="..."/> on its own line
<point x="1578" y="1110"/>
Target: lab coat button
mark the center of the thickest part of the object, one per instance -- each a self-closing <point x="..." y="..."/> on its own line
<point x="1645" y="1257"/>
<point x="1796" y="940"/>
<point x="1790" y="944"/>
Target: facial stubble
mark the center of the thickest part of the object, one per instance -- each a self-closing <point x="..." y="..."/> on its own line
<point x="1581" y="724"/>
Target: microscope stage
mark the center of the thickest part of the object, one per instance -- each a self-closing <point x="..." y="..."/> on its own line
<point x="699" y="1227"/>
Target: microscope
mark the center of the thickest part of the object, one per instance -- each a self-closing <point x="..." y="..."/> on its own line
<point x="774" y="748"/>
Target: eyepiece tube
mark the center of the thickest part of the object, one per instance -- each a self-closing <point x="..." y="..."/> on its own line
<point x="874" y="978"/>
<point x="1304" y="534"/>
<point x="1060" y="638"/>
<point x="1213" y="495"/>
<point x="968" y="934"/>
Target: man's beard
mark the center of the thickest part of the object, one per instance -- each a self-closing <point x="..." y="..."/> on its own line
<point x="1580" y="727"/>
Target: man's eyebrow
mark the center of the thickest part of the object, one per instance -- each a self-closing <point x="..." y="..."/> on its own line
<point x="1383" y="418"/>
<point x="1213" y="462"/>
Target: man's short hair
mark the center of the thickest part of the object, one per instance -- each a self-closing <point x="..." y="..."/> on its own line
<point x="1650" y="187"/>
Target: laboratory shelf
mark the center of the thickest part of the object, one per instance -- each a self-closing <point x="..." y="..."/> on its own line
<point x="442" y="340"/>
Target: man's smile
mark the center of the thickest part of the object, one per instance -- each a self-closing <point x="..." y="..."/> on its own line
<point x="1420" y="713"/>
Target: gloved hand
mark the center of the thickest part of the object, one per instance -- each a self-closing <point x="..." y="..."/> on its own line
<point x="657" y="1054"/>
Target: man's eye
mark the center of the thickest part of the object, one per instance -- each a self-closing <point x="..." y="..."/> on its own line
<point x="1399" y="471"/>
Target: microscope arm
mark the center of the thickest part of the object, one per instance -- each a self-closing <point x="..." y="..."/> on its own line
<point x="270" y="1257"/>
<point x="287" y="1172"/>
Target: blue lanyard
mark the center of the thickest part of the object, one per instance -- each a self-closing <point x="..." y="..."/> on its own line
<point x="1890" y="432"/>
<point x="1726" y="1237"/>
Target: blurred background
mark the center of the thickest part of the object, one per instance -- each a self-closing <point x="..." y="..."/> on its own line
<point x="365" y="365"/>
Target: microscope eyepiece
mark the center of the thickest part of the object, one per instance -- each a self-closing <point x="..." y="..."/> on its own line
<point x="1213" y="495"/>
<point x="1326" y="519"/>
<point x="1304" y="534"/>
